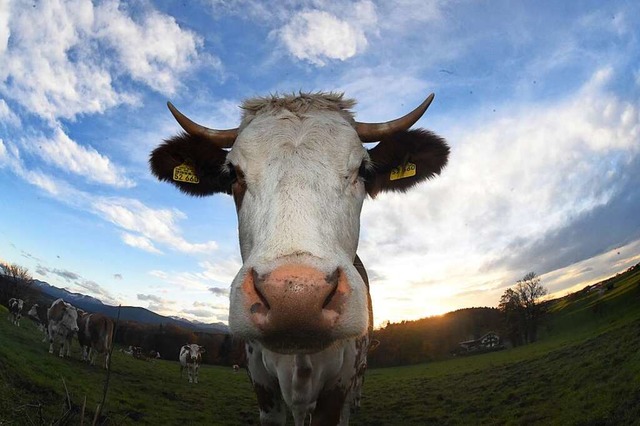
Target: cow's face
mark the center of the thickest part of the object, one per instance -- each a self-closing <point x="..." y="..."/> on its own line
<point x="299" y="174"/>
<point x="33" y="312"/>
<point x="193" y="353"/>
<point x="69" y="318"/>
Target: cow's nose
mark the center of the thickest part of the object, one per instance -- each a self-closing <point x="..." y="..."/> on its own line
<point x="295" y="306"/>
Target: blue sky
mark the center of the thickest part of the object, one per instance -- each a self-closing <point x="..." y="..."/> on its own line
<point x="538" y="100"/>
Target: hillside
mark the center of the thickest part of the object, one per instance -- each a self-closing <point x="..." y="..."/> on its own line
<point x="585" y="370"/>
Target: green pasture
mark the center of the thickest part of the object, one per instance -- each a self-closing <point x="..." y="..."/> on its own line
<point x="585" y="370"/>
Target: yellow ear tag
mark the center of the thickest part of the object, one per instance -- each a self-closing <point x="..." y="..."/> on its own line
<point x="185" y="173"/>
<point x="403" y="172"/>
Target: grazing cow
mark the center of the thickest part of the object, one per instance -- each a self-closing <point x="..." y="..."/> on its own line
<point x="95" y="335"/>
<point x="38" y="314"/>
<point x="15" y="310"/>
<point x="190" y="358"/>
<point x="63" y="323"/>
<point x="299" y="173"/>
<point x="138" y="353"/>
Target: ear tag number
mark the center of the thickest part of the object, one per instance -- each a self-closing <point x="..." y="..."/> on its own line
<point x="400" y="172"/>
<point x="185" y="173"/>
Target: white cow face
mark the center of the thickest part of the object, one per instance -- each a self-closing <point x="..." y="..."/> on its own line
<point x="299" y="174"/>
<point x="192" y="353"/>
<point x="69" y="318"/>
<point x="299" y="201"/>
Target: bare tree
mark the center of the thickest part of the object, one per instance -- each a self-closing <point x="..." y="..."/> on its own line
<point x="16" y="280"/>
<point x="522" y="308"/>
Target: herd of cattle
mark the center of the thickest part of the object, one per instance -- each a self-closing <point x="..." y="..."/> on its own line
<point x="62" y="321"/>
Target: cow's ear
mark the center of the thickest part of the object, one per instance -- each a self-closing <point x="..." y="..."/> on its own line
<point x="202" y="350"/>
<point x="404" y="160"/>
<point x="192" y="164"/>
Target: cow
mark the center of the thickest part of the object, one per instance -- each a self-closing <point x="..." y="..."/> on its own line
<point x="38" y="314"/>
<point x="95" y="335"/>
<point x="63" y="324"/>
<point x="190" y="358"/>
<point x="298" y="173"/>
<point x="15" y="310"/>
<point x="236" y="368"/>
<point x="361" y="368"/>
<point x="138" y="353"/>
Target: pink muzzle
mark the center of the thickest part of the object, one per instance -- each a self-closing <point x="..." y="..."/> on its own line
<point x="295" y="307"/>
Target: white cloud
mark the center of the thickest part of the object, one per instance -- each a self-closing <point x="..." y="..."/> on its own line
<point x="4" y="25"/>
<point x="159" y="225"/>
<point x="223" y="271"/>
<point x="144" y="225"/>
<point x="215" y="277"/>
<point x="318" y="35"/>
<point x="63" y="44"/>
<point x="140" y="242"/>
<point x="512" y="179"/>
<point x="63" y="152"/>
<point x="152" y="50"/>
<point x="6" y="115"/>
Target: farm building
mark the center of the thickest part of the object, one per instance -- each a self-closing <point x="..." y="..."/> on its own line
<point x="489" y="342"/>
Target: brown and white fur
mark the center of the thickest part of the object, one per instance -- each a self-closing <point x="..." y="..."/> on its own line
<point x="15" y="311"/>
<point x="62" y="317"/>
<point x="299" y="173"/>
<point x="95" y="334"/>
<point x="38" y="314"/>
<point x="191" y="358"/>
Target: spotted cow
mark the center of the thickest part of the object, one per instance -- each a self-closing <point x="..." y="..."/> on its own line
<point x="62" y="318"/>
<point x="95" y="335"/>
<point x="299" y="173"/>
<point x="38" y="314"/>
<point x="15" y="310"/>
<point x="190" y="359"/>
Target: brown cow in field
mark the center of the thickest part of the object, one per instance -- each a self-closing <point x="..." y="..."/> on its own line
<point x="299" y="173"/>
<point x="95" y="335"/>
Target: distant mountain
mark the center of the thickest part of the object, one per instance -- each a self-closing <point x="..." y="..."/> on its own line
<point x="127" y="313"/>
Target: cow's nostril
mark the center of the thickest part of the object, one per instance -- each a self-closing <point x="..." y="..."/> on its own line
<point x="332" y="280"/>
<point x="257" y="283"/>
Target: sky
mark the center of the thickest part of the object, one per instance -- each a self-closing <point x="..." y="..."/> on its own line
<point x="537" y="99"/>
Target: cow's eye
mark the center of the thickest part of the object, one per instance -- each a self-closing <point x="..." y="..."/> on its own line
<point x="236" y="175"/>
<point x="366" y="171"/>
<point x="230" y="171"/>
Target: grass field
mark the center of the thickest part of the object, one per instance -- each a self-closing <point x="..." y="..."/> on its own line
<point x="585" y="370"/>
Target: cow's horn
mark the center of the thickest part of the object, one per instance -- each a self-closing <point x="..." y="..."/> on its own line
<point x="373" y="132"/>
<point x="220" y="138"/>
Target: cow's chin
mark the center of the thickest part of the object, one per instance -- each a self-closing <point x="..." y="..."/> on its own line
<point x="302" y="343"/>
<point x="297" y="341"/>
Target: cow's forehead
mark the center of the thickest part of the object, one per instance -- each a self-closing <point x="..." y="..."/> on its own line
<point x="321" y="136"/>
<point x="301" y="104"/>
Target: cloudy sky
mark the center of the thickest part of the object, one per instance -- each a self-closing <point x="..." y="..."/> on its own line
<point x="538" y="100"/>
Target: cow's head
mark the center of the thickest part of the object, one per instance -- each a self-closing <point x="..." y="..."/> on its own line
<point x="193" y="353"/>
<point x="69" y="317"/>
<point x="298" y="172"/>
<point x="33" y="312"/>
